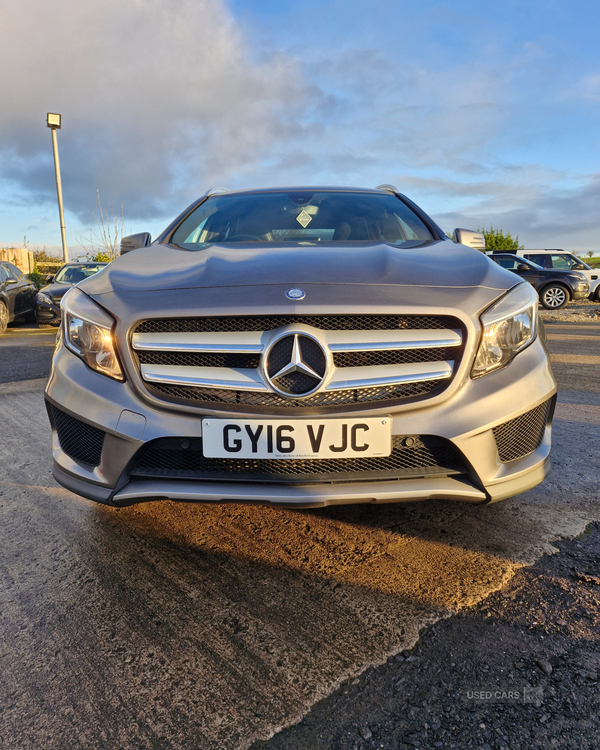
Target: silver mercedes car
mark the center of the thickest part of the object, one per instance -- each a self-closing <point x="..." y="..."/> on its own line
<point x="301" y="347"/>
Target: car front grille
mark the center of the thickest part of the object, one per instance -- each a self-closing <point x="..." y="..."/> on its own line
<point x="221" y="362"/>
<point x="412" y="456"/>
<point x="79" y="440"/>
<point x="523" y="435"/>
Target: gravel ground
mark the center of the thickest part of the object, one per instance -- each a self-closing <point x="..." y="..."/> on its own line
<point x="580" y="312"/>
<point x="520" y="670"/>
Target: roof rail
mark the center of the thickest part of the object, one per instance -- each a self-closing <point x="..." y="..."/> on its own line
<point x="215" y="190"/>
<point x="387" y="188"/>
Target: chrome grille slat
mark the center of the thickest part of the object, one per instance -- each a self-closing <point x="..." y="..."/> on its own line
<point x="239" y="342"/>
<point x="356" y="377"/>
<point x="249" y="342"/>
<point x="342" y="378"/>
<point x="352" y="341"/>
<point x="205" y="377"/>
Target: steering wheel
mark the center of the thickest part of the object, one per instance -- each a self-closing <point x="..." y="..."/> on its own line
<point x="245" y="237"/>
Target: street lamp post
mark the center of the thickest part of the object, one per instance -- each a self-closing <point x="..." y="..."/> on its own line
<point x="53" y="122"/>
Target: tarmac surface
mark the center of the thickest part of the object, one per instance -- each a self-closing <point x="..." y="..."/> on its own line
<point x="170" y="625"/>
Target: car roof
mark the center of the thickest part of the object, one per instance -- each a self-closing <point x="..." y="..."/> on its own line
<point x="294" y="188"/>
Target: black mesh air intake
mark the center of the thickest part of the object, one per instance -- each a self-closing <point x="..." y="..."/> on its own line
<point x="79" y="440"/>
<point x="522" y="435"/>
<point x="412" y="456"/>
<point x="324" y="322"/>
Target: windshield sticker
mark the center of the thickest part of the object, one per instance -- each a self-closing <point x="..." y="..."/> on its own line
<point x="304" y="218"/>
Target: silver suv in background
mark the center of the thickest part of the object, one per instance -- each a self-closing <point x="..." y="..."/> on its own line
<point x="563" y="260"/>
<point x="301" y="347"/>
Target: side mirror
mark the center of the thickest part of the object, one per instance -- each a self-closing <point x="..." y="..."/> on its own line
<point x="11" y="281"/>
<point x="469" y="238"/>
<point x="50" y="278"/>
<point x="523" y="267"/>
<point x="579" y="267"/>
<point x="133" y="241"/>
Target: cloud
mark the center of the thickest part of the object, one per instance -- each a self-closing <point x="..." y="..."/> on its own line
<point x="163" y="99"/>
<point x="542" y="214"/>
<point x="158" y="97"/>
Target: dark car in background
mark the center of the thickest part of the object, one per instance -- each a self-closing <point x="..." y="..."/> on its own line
<point x="555" y="288"/>
<point x="17" y="295"/>
<point x="47" y="301"/>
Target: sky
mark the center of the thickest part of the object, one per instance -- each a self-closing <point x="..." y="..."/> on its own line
<point x="485" y="114"/>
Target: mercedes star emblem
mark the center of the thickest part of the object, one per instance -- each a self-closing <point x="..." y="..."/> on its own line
<point x="295" y="365"/>
<point x="295" y="293"/>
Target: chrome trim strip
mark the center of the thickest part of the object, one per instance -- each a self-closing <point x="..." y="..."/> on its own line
<point x="241" y="342"/>
<point x="250" y="342"/>
<point x="347" y="378"/>
<point x="343" y="378"/>
<point x="353" y="341"/>
<point x="207" y="377"/>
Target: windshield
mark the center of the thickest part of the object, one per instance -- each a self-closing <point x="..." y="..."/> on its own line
<point x="302" y="216"/>
<point x="75" y="274"/>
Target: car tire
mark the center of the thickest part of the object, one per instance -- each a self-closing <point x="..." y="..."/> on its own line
<point x="554" y="296"/>
<point x="3" y="317"/>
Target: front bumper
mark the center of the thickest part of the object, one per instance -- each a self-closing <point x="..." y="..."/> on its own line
<point x="466" y="419"/>
<point x="47" y="314"/>
<point x="581" y="293"/>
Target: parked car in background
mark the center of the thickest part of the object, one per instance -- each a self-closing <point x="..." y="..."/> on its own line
<point x="17" y="295"/>
<point x="555" y="288"/>
<point x="48" y="299"/>
<point x="562" y="260"/>
<point x="301" y="347"/>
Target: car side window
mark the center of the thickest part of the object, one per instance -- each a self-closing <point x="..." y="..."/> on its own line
<point x="562" y="262"/>
<point x="3" y="274"/>
<point x="509" y="263"/>
<point x="15" y="272"/>
<point x="543" y="260"/>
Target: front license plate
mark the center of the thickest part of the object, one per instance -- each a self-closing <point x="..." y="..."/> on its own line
<point x="297" y="438"/>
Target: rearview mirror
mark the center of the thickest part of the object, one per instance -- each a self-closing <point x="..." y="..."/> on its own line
<point x="133" y="241"/>
<point x="469" y="238"/>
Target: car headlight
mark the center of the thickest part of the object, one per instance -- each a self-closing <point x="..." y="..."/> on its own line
<point x="509" y="326"/>
<point x="43" y="298"/>
<point x="87" y="332"/>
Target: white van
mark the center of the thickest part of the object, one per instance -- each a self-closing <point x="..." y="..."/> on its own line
<point x="565" y="261"/>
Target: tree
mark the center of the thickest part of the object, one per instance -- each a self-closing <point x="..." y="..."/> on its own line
<point x="105" y="241"/>
<point x="590" y="254"/>
<point x="496" y="240"/>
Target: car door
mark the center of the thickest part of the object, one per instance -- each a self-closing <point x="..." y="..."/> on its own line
<point x="24" y="290"/>
<point x="9" y="289"/>
<point x="571" y="263"/>
<point x="521" y="267"/>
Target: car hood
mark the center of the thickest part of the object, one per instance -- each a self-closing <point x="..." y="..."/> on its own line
<point x="164" y="267"/>
<point x="56" y="290"/>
